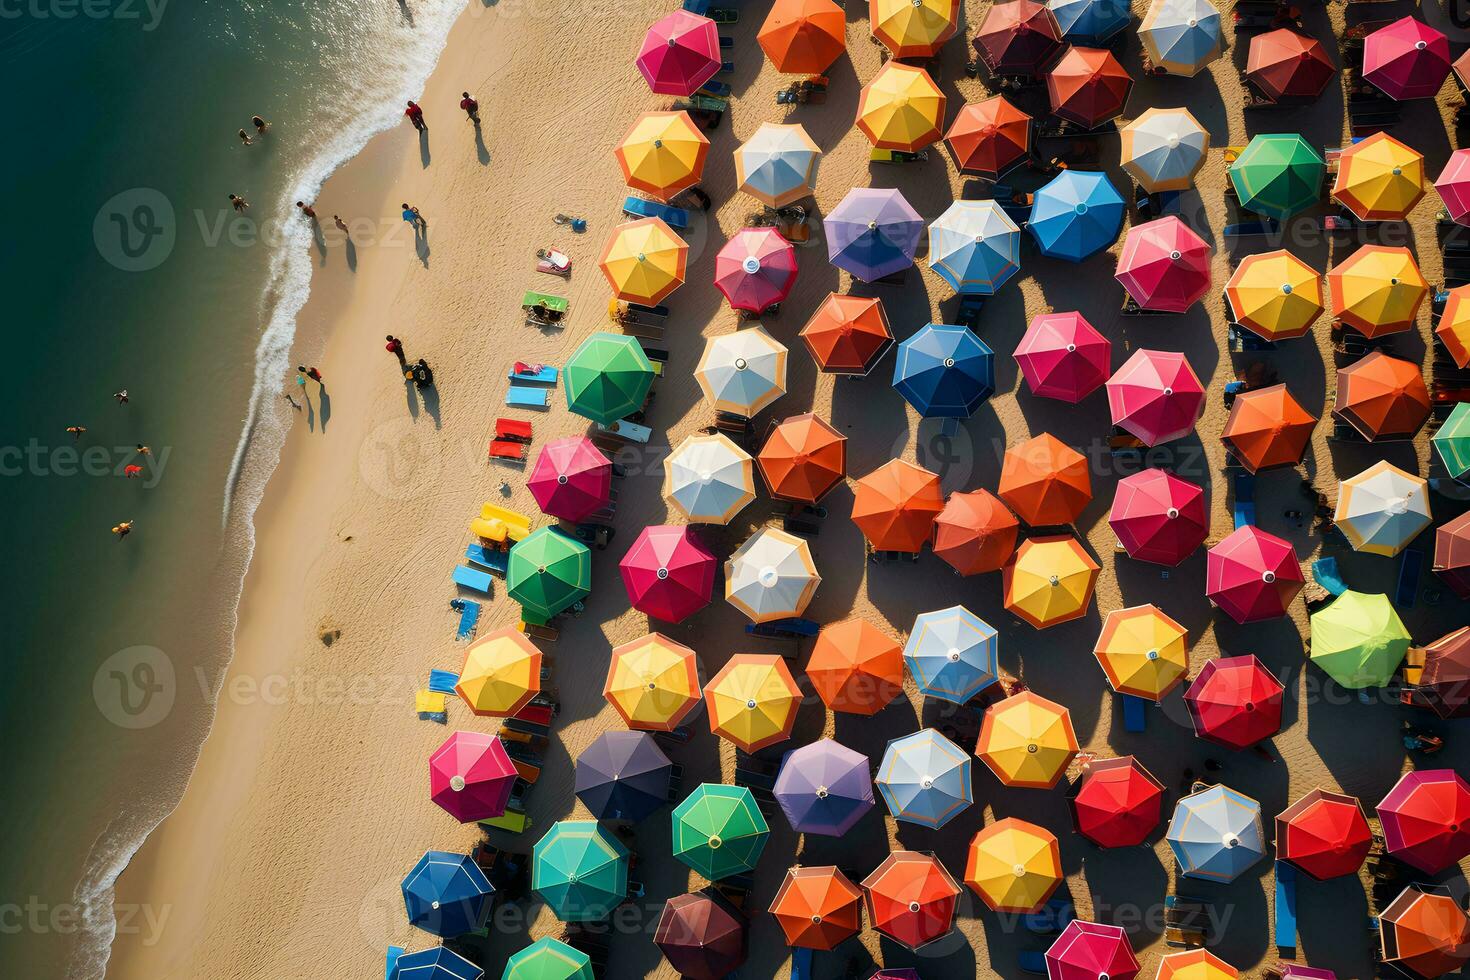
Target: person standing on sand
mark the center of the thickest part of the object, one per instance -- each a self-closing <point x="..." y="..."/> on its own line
<point x="341" y="225"/>
<point x="144" y="450"/>
<point x="395" y="347"/>
<point x="245" y="138"/>
<point x="414" y="217"/>
<point x="311" y="373"/>
<point x="78" y="430"/>
<point x="307" y="210"/>
<point x="260" y="125"/>
<point x="123" y="529"/>
<point x="471" y="108"/>
<point x="239" y="203"/>
<point x="415" y="115"/>
<point x="121" y="396"/>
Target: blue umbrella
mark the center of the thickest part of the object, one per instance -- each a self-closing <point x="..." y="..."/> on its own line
<point x="437" y="963"/>
<point x="824" y="788"/>
<point x="944" y="371"/>
<point x="1216" y="834"/>
<point x="623" y="776"/>
<point x="975" y="247"/>
<point x="872" y="233"/>
<point x="446" y="894"/>
<point x="1089" y="22"/>
<point x="952" y="654"/>
<point x="1077" y="213"/>
<point x="925" y="779"/>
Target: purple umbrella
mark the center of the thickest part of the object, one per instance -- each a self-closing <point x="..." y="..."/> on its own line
<point x="623" y="776"/>
<point x="872" y="233"/>
<point x="824" y="788"/>
<point x="896" y="973"/>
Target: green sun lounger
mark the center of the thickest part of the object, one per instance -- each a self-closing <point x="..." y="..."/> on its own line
<point x="472" y="578"/>
<point x="556" y="304"/>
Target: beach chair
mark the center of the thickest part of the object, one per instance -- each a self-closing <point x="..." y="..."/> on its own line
<point x="393" y="953"/>
<point x="1032" y="961"/>
<point x="801" y="963"/>
<point x="1408" y="585"/>
<point x="512" y="430"/>
<point x="469" y="616"/>
<point x="630" y="431"/>
<point x="493" y="560"/>
<point x="543" y="374"/>
<point x="521" y="396"/>
<point x="639" y="207"/>
<point x="472" y="579"/>
<point x="1285" y="906"/>
<point x="513" y="452"/>
<point x="879" y="155"/>
<point x="429" y="706"/>
<point x="1186" y="922"/>
<point x="792" y="627"/>
<point x="544" y="309"/>
<point x="1326" y="574"/>
<point x="442" y="681"/>
<point x="1135" y="713"/>
<point x="1052" y="918"/>
<point x="511" y="821"/>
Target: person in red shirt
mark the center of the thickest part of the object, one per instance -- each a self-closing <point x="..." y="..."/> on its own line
<point x="415" y="115"/>
<point x="395" y="347"/>
<point x="471" y="108"/>
<point x="307" y="210"/>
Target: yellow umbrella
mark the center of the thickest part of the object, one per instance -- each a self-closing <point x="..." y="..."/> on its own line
<point x="1027" y="740"/>
<point x="1049" y="580"/>
<point x="1377" y="290"/>
<point x="1014" y="866"/>
<point x="1143" y="652"/>
<point x="502" y="672"/>
<point x="652" y="682"/>
<point x="913" y="28"/>
<point x="1275" y="294"/>
<point x="1195" y="964"/>
<point x="644" y="261"/>
<point x="663" y="154"/>
<point x="1379" y="179"/>
<point x="901" y="108"/>
<point x="752" y="701"/>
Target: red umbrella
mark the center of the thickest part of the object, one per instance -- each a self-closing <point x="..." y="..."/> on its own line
<point x="1062" y="356"/>
<point x="1285" y="64"/>
<point x="911" y="898"/>
<point x="847" y="334"/>
<point x="1017" y="37"/>
<point x="988" y="138"/>
<point x="1408" y="59"/>
<point x="975" y="532"/>
<point x="1426" y="819"/>
<point x="1235" y="701"/>
<point x="1252" y="575"/>
<point x="1118" y="802"/>
<point x="571" y="479"/>
<point x="1324" y="834"/>
<point x="756" y="269"/>
<point x="1444" y="683"/>
<point x="471" y="776"/>
<point x="680" y="53"/>
<point x="669" y="575"/>
<point x="1091" y="951"/>
<point x="1164" y="265"/>
<point x="1088" y="86"/>
<point x="1452" y="555"/>
<point x="1156" y="396"/>
<point x="1159" y="517"/>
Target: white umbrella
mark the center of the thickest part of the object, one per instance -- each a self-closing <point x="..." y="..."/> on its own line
<point x="771" y="576"/>
<point x="1382" y="509"/>
<point x="778" y="164"/>
<point x="1164" y="148"/>
<point x="1181" y="36"/>
<point x="742" y="372"/>
<point x="709" y="479"/>
<point x="975" y="247"/>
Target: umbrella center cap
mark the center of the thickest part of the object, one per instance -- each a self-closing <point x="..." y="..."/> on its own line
<point x="751" y="265"/>
<point x="1192" y="22"/>
<point x="1172" y="513"/>
<point x="1032" y="748"/>
<point x="949" y="362"/>
<point x="872" y="226"/>
<point x="1286" y="288"/>
<point x="768" y="576"/>
<point x="1176" y="255"/>
<point x="658" y="144"/>
<point x="1173" y="141"/>
<point x="817" y="918"/>
<point x="715" y="842"/>
<point x="662" y="574"/>
<point x="1397" y="505"/>
<point x="642" y="257"/>
<point x="433" y="905"/>
<point x="1398" y="172"/>
<point x="1054" y="581"/>
<point x="953" y="655"/>
<point x="1151" y="655"/>
<point x="562" y="479"/>
<point x="1168" y="391"/>
<point x="750" y="704"/>
<point x="914" y="906"/>
<point x="926" y="782"/>
<point x="1269" y="577"/>
<point x="1420" y="45"/>
<point x="1232" y="841"/>
<point x="1394" y="281"/>
<point x="1080" y="207"/>
<point x="1250" y="706"/>
<point x="540" y="569"/>
<point x="1071" y="348"/>
<point x="572" y="879"/>
<point x="740" y="364"/>
<point x="671" y="42"/>
<point x="821" y="792"/>
<point x="651" y="686"/>
<point x="456" y="783"/>
<point x="1019" y="870"/>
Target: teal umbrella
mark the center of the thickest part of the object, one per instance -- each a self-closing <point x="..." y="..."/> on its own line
<point x="719" y="831"/>
<point x="580" y="870"/>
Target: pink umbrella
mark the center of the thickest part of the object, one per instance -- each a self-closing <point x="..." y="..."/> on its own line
<point x="680" y="53"/>
<point x="1426" y="819"/>
<point x="756" y="269"/>
<point x="471" y="776"/>
<point x="1453" y="185"/>
<point x="669" y="575"/>
<point x="1159" y="517"/>
<point x="1089" y="951"/>
<point x="571" y="479"/>
<point x="1408" y="59"/>
<point x="1156" y="396"/>
<point x="1062" y="356"/>
<point x="1252" y="575"/>
<point x="1164" y="266"/>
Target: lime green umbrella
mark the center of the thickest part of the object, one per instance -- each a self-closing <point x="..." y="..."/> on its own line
<point x="1278" y="175"/>
<point x="1359" y="639"/>
<point x="719" y="831"/>
<point x="580" y="870"/>
<point x="548" y="959"/>
<point x="608" y="377"/>
<point x="547" y="572"/>
<point x="1452" y="441"/>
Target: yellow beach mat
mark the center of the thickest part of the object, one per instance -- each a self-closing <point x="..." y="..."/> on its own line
<point x="428" y="702"/>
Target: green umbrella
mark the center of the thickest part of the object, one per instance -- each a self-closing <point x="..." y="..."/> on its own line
<point x="548" y="959"/>
<point x="719" y="831"/>
<point x="547" y="572"/>
<point x="1278" y="175"/>
<point x="1452" y="441"/>
<point x="608" y="377"/>
<point x="1359" y="640"/>
<point x="580" y="871"/>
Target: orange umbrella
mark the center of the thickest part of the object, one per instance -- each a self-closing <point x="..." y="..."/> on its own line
<point x="1267" y="427"/>
<point x="847" y="334"/>
<point x="1454" y="325"/>
<point x="1381" y="395"/>
<point x="817" y="908"/>
<point x="803" y="37"/>
<point x="975" y="532"/>
<point x="803" y="458"/>
<point x="1045" y="481"/>
<point x="988" y="138"/>
<point x="855" y="667"/>
<point x="895" y="506"/>
<point x="1425" y="931"/>
<point x="1378" y="290"/>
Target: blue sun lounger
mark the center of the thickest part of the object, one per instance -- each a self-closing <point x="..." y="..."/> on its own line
<point x="1032" y="961"/>
<point x="443" y="681"/>
<point x="1324" y="571"/>
<point x="640" y="207"/>
<point x="1135" y="713"/>
<point x="1245" y="499"/>
<point x="522" y="396"/>
<point x="492" y="560"/>
<point x="469" y="616"/>
<point x="801" y="963"/>
<point x="1285" y="906"/>
<point x="472" y="578"/>
<point x="1408" y="587"/>
<point x="546" y="376"/>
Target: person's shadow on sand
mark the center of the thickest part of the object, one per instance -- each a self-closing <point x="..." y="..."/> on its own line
<point x="310" y="412"/>
<point x="421" y="246"/>
<point x="405" y="13"/>
<point x="482" y="152"/>
<point x="430" y="396"/>
<point x="351" y="254"/>
<point x="410" y="397"/>
<point x="320" y="240"/>
<point x="326" y="408"/>
<point x="424" y="147"/>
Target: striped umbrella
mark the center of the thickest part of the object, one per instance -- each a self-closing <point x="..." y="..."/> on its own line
<point x="952" y="654"/>
<point x="1181" y="36"/>
<point x="778" y="164"/>
<point x="1164" y="148"/>
<point x="771" y="576"/>
<point x="975" y="247"/>
<point x="925" y="779"/>
<point x="742" y="372"/>
<point x="709" y="479"/>
<point x="1216" y="834"/>
<point x="1382" y="509"/>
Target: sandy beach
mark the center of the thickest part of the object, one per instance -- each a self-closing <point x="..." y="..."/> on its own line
<point x="309" y="800"/>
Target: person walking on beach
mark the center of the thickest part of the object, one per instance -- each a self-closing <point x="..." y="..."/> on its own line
<point x="395" y="347"/>
<point x="245" y="138"/>
<point x="415" y="115"/>
<point x="341" y="225"/>
<point x="414" y="217"/>
<point x="123" y="529"/>
<point x="260" y="125"/>
<point x="239" y="203"/>
<point x="307" y="210"/>
<point x="311" y="373"/>
<point x="121" y="396"/>
<point x="132" y="471"/>
<point x="144" y="450"/>
<point x="78" y="430"/>
<point x="471" y="108"/>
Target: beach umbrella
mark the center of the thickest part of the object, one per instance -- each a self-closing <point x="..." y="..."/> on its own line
<point x="1275" y="295"/>
<point x="1017" y="37"/>
<point x="778" y="164"/>
<point x="1156" y="396"/>
<point x="1454" y="325"/>
<point x="1382" y="509"/>
<point x="804" y="457"/>
<point x="1181" y="36"/>
<point x="1452" y="441"/>
<point x="1143" y="652"/>
<point x="1424" y="932"/>
<point x="944" y="371"/>
<point x="436" y="963"/>
<point x="663" y="154"/>
<point x="952" y="654"/>
<point x="895" y="506"/>
<point x="446" y="894"/>
<point x="1267" y="427"/>
<point x="913" y="28"/>
<point x="1286" y="65"/>
<point x="989" y="137"/>
<point x="607" y="378"/>
<point x="548" y="959"/>
<point x="580" y="871"/>
<point x="1295" y="971"/>
<point x="1049" y="580"/>
<point x="668" y="573"/>
<point x="1027" y="740"/>
<point x="975" y="247"/>
<point x="1045" y="481"/>
<point x="855" y="667"/>
<point x="1452" y="554"/>
<point x="1379" y="179"/>
<point x="1252" y="575"/>
<point x="1087" y="86"/>
<point x="1359" y="639"/>
<point x="771" y="576"/>
<point x="471" y="776"/>
<point x="1381" y="395"/>
<point x="623" y="776"/>
<point x="719" y="831"/>
<point x="501" y="674"/>
<point x="847" y="334"/>
<point x="1235" y="702"/>
<point x="1444" y="682"/>
<point x="1014" y="866"/>
<point x="755" y="269"/>
<point x="709" y="479"/>
<point x="680" y="52"/>
<point x="644" y="261"/>
<point x="1062" y="356"/>
<point x="652" y="682"/>
<point x="571" y="479"/>
<point x="1091" y="951"/>
<point x="911" y="898"/>
<point x="901" y="108"/>
<point x="872" y="233"/>
<point x="1164" y="265"/>
<point x="1325" y="835"/>
<point x="1089" y="21"/>
<point x="742" y="372"/>
<point x="1159" y="517"/>
<point x="752" y="701"/>
<point x="925" y="779"/>
<point x="824" y="788"/>
<point x="1216" y="834"/>
<point x="1195" y="964"/>
<point x="1453" y="185"/>
<point x="1278" y="175"/>
<point x="1163" y="149"/>
<point x="548" y="572"/>
<point x="803" y="37"/>
<point x="1426" y="819"/>
<point x="1118" y="802"/>
<point x="1378" y="290"/>
<point x="817" y="907"/>
<point x="1075" y="214"/>
<point x="702" y="935"/>
<point x="1408" y="59"/>
<point x="896" y="973"/>
<point x="975" y="532"/>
